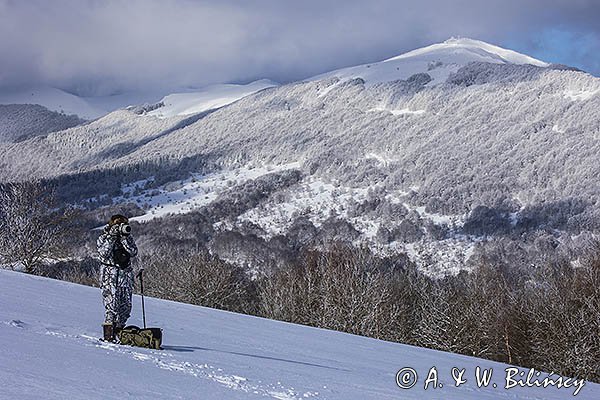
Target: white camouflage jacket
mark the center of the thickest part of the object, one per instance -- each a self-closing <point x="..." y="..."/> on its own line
<point x="106" y="243"/>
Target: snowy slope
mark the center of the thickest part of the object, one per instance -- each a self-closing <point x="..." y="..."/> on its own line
<point x="88" y="108"/>
<point x="188" y="101"/>
<point x="184" y="196"/>
<point x="53" y="99"/>
<point x="48" y="327"/>
<point x="213" y="96"/>
<point x="438" y="60"/>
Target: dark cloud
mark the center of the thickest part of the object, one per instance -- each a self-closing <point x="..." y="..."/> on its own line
<point x="105" y="46"/>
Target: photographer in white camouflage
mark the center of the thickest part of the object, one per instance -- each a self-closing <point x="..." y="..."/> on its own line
<point x="116" y="247"/>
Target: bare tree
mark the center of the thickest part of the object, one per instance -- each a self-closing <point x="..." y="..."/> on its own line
<point x="32" y="228"/>
<point x="342" y="288"/>
<point x="196" y="277"/>
<point x="565" y="315"/>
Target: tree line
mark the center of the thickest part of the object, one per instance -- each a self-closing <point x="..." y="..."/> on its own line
<point x="547" y="318"/>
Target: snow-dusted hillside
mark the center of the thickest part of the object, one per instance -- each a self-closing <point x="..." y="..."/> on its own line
<point x="403" y="161"/>
<point x="48" y="331"/>
<point x="184" y="196"/>
<point x="23" y="121"/>
<point x="306" y="119"/>
<point x="53" y="99"/>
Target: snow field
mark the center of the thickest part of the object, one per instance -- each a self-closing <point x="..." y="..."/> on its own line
<point x="49" y="329"/>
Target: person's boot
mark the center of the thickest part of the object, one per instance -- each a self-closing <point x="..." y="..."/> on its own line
<point x="109" y="334"/>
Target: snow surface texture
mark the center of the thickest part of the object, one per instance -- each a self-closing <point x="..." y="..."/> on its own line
<point x="438" y="60"/>
<point x="49" y="329"/>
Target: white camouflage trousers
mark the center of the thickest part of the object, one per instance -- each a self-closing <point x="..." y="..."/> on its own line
<point x="117" y="289"/>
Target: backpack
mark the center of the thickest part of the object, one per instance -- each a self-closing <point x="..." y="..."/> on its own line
<point x="133" y="336"/>
<point x="120" y="255"/>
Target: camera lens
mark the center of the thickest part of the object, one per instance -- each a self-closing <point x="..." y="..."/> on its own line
<point x="125" y="229"/>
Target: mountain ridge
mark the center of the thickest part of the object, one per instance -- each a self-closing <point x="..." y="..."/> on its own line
<point x="401" y="165"/>
<point x="56" y="99"/>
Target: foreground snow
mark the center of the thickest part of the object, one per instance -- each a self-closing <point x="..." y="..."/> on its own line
<point x="48" y="327"/>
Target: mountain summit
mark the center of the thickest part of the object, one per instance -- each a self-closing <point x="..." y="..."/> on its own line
<point x="438" y="60"/>
<point x="469" y="48"/>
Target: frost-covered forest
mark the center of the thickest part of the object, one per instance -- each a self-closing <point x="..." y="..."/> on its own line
<point x="19" y="122"/>
<point x="499" y="156"/>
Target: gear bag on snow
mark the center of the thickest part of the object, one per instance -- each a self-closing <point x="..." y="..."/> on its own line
<point x="133" y="336"/>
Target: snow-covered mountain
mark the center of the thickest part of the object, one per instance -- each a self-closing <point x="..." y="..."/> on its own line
<point x="50" y="351"/>
<point x="53" y="99"/>
<point x="447" y="145"/>
<point x="438" y="60"/>
<point x="408" y="79"/>
<point x="188" y="101"/>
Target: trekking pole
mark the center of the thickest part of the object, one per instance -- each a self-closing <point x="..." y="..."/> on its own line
<point x="114" y="319"/>
<point x="140" y="274"/>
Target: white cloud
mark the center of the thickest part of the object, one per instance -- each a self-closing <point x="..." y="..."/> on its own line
<point x="97" y="47"/>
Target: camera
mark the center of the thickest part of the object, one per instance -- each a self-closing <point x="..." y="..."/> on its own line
<point x="125" y="229"/>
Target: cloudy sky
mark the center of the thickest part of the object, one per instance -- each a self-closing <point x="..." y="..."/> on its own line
<point x="100" y="47"/>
